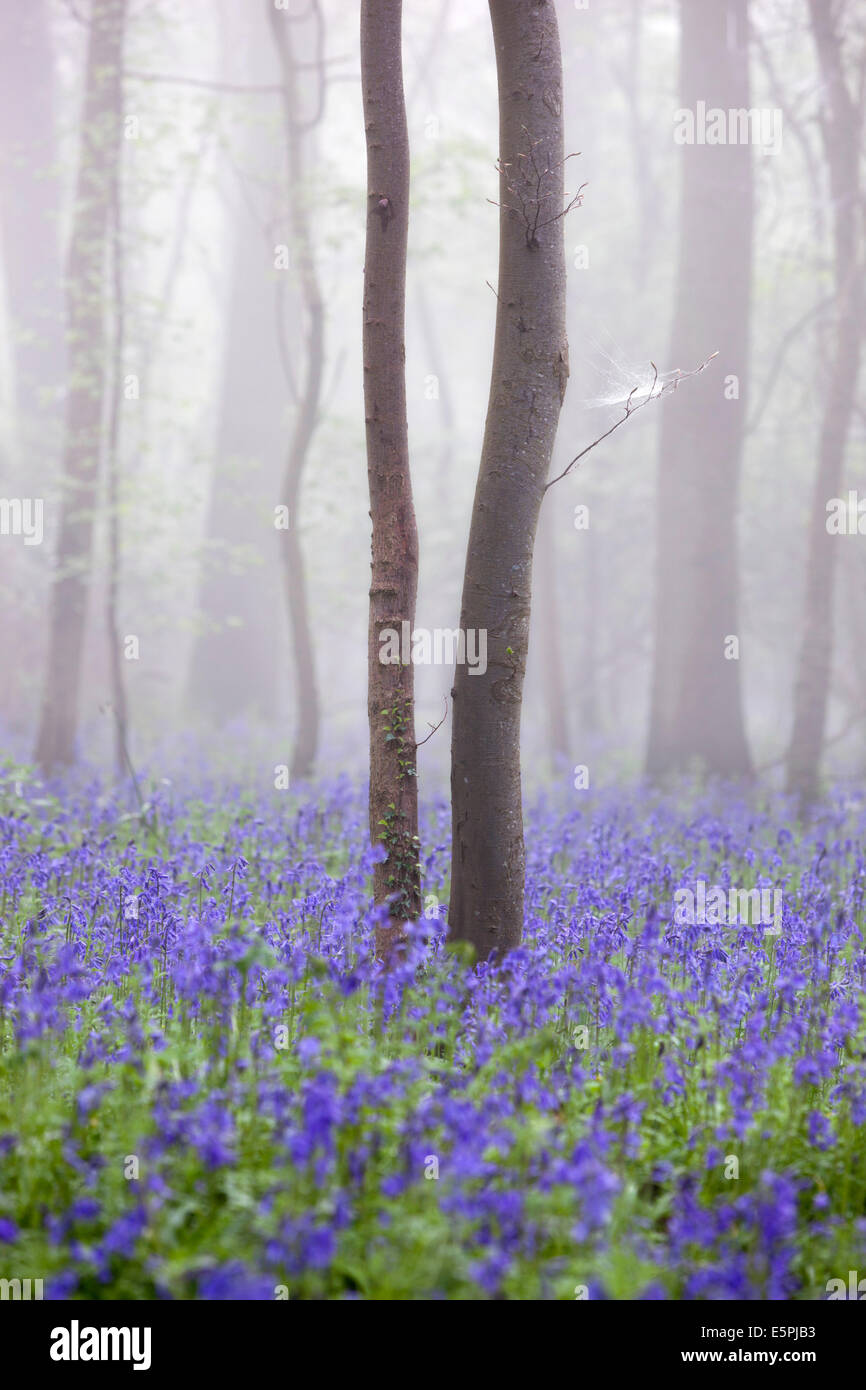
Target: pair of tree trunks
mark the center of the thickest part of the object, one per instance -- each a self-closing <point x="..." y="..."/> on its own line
<point x="530" y="370"/>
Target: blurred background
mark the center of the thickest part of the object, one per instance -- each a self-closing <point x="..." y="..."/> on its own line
<point x="180" y="382"/>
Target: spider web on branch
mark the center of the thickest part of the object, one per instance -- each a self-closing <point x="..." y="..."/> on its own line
<point x="629" y="389"/>
<point x="619" y="378"/>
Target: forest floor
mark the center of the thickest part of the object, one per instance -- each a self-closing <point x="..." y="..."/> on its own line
<point x="208" y="1089"/>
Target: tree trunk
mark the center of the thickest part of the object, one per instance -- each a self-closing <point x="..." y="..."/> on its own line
<point x="394" y="577"/>
<point x="233" y="667"/>
<point x="589" y="704"/>
<point x="550" y="641"/>
<point x="840" y="129"/>
<point x="300" y="192"/>
<point x="86" y="292"/>
<point x="696" y="705"/>
<point x="530" y="369"/>
<point x="113" y="491"/>
<point x="29" y="220"/>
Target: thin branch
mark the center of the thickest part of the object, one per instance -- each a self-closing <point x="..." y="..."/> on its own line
<point x="630" y="409"/>
<point x="211" y="84"/>
<point x="243" y="88"/>
<point x="779" y="358"/>
<point x="532" y="179"/>
<point x="846" y="728"/>
<point x="434" y="727"/>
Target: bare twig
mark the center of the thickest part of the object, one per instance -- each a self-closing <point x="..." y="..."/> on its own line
<point x="528" y="190"/>
<point x="434" y="727"/>
<point x="629" y="409"/>
<point x="779" y="358"/>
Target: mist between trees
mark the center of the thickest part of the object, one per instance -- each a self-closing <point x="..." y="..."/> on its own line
<point x="677" y="213"/>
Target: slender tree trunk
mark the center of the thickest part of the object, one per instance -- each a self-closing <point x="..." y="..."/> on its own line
<point x="394" y="577"/>
<point x="696" y="706"/>
<point x="439" y="366"/>
<point x="112" y="469"/>
<point x="841" y="129"/>
<point x="530" y="369"/>
<point x="233" y="666"/>
<point x="29" y="219"/>
<point x="300" y="192"/>
<point x="100" y="150"/>
<point x="588" y="672"/>
<point x="32" y="292"/>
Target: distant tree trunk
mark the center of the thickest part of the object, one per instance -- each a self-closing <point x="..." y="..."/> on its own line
<point x="394" y="578"/>
<point x="29" y="217"/>
<point x="696" y="706"/>
<point x="426" y="77"/>
<point x="550" y="635"/>
<point x="588" y="674"/>
<point x="86" y="292"/>
<point x="233" y="666"/>
<point x="112" y="469"/>
<point x="439" y="367"/>
<point x="841" y="129"/>
<point x="530" y="369"/>
<point x="300" y="193"/>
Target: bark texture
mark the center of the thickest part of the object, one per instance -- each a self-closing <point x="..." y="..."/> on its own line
<point x="696" y="712"/>
<point x="87" y="359"/>
<point x="530" y="370"/>
<point x="841" y="127"/>
<point x="394" y="568"/>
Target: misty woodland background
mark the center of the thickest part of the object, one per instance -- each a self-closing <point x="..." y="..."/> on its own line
<point x="205" y="331"/>
<point x="238" y="1056"/>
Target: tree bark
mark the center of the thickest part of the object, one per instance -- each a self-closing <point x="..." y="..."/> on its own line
<point x="841" y="129"/>
<point x="696" y="711"/>
<point x="530" y="369"/>
<point x="394" y="569"/>
<point x="87" y="358"/>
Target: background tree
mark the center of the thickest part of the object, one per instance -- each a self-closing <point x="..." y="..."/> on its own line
<point x="696" y="704"/>
<point x="30" y="217"/>
<point x="299" y="126"/>
<point x="87" y="365"/>
<point x="233" y="666"/>
<point x="841" y="131"/>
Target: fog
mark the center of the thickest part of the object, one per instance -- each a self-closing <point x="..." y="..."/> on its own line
<point x="202" y="328"/>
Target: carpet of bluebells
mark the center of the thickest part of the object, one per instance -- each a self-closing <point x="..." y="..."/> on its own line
<point x="209" y="1089"/>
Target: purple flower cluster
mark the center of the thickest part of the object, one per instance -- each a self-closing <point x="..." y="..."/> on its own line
<point x="209" y="1088"/>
